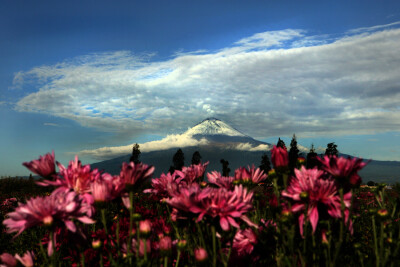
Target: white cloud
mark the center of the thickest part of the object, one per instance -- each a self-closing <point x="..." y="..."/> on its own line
<point x="51" y="124"/>
<point x="171" y="141"/>
<point x="268" y="84"/>
<point x="250" y="147"/>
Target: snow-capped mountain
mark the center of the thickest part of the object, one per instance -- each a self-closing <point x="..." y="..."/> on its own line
<point x="215" y="140"/>
<point x="217" y="132"/>
<point x="213" y="126"/>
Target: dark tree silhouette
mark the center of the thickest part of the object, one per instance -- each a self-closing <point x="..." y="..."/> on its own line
<point x="196" y="158"/>
<point x="225" y="168"/>
<point x="135" y="154"/>
<point x="281" y="144"/>
<point x="331" y="150"/>
<point x="312" y="158"/>
<point x="178" y="160"/>
<point x="293" y="154"/>
<point x="265" y="163"/>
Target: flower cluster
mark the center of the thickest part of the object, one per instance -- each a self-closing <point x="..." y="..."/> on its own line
<point x="244" y="212"/>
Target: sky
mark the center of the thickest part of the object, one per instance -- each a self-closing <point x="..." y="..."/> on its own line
<point x="76" y="76"/>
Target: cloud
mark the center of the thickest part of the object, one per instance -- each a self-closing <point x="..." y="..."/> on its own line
<point x="268" y="84"/>
<point x="250" y="147"/>
<point x="51" y="124"/>
<point x="171" y="141"/>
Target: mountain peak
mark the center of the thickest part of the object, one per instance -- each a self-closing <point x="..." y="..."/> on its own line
<point x="213" y="126"/>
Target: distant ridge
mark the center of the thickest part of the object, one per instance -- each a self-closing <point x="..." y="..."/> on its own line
<point x="224" y="141"/>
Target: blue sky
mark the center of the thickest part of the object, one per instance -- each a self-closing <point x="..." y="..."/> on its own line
<point x="81" y="75"/>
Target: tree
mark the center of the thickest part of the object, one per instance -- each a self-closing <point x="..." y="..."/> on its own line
<point x="178" y="160"/>
<point x="196" y="158"/>
<point x="331" y="150"/>
<point x="265" y="163"/>
<point x="281" y="144"/>
<point x="293" y="154"/>
<point x="312" y="158"/>
<point x="135" y="154"/>
<point x="225" y="168"/>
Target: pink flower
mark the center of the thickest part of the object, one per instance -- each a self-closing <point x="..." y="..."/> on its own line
<point x="194" y="172"/>
<point x="8" y="260"/>
<point x="26" y="259"/>
<point x="200" y="254"/>
<point x="309" y="191"/>
<point x="44" y="166"/>
<point x="166" y="183"/>
<point x="58" y="208"/>
<point x="244" y="241"/>
<point x="279" y="157"/>
<point x="345" y="170"/>
<point x="214" y="202"/>
<point x="106" y="187"/>
<point x="132" y="173"/>
<point x="165" y="243"/>
<point x="76" y="177"/>
<point x="250" y="174"/>
<point x="216" y="178"/>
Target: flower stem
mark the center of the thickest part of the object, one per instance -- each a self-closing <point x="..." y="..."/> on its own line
<point x="214" y="246"/>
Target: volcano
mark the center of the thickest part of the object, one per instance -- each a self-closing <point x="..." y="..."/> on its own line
<point x="216" y="140"/>
<point x="216" y="131"/>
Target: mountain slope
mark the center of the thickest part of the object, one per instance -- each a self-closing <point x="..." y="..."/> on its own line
<point x="225" y="142"/>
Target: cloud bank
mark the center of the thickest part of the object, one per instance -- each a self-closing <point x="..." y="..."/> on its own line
<point x="269" y="84"/>
<point x="171" y="141"/>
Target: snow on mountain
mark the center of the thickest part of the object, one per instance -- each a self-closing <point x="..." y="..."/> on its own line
<point x="213" y="126"/>
<point x="210" y="131"/>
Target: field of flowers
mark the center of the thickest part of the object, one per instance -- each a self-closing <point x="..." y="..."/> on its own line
<point x="81" y="216"/>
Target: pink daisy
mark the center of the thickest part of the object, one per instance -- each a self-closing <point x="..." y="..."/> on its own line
<point x="244" y="241"/>
<point x="216" y="178"/>
<point x="309" y="191"/>
<point x="250" y="174"/>
<point x="44" y="166"/>
<point x="58" y="208"/>
<point x="345" y="170"/>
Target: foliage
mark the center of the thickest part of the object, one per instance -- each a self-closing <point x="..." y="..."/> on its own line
<point x="281" y="143"/>
<point x="265" y="163"/>
<point x="331" y="150"/>
<point x="196" y="158"/>
<point x="135" y="154"/>
<point x="293" y="154"/>
<point x="225" y="167"/>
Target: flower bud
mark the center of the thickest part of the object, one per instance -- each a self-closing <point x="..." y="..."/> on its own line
<point x="279" y="157"/>
<point x="181" y="244"/>
<point x="165" y="243"/>
<point x="200" y="254"/>
<point x="96" y="244"/>
<point x="136" y="217"/>
<point x="383" y="213"/>
<point x="145" y="227"/>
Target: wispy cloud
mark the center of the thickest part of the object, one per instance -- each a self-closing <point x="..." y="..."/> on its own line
<point x="269" y="84"/>
<point x="51" y="124"/>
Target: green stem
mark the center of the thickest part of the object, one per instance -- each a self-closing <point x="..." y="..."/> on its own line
<point x="177" y="258"/>
<point x="214" y="246"/>
<point x="375" y="240"/>
<point x="202" y="242"/>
